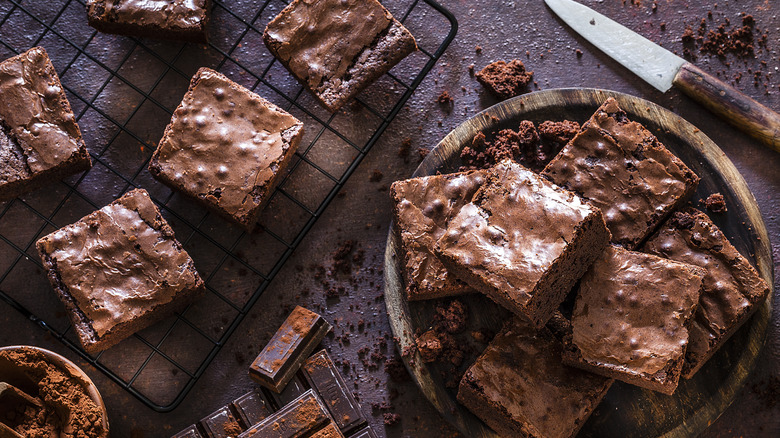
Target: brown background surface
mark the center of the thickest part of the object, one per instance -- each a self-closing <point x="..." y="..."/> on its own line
<point x="522" y="29"/>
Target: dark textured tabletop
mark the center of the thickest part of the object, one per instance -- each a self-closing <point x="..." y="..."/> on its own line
<point x="489" y="31"/>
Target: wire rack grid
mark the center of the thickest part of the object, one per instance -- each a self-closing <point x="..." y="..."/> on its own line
<point x="123" y="91"/>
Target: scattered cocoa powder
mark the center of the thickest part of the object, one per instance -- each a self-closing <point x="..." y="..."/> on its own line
<point x="59" y="392"/>
<point x="232" y="428"/>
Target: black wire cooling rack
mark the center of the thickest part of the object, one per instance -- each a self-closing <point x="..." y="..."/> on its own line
<point x="123" y="91"/>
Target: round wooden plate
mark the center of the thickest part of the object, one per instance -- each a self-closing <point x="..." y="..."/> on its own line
<point x="626" y="410"/>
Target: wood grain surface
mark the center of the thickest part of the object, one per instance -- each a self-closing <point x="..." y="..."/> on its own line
<point x="626" y="410"/>
<point x="731" y="105"/>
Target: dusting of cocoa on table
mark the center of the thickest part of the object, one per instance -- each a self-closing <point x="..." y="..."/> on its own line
<point x="59" y="392"/>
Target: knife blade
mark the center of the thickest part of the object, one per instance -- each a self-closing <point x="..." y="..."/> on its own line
<point x="663" y="69"/>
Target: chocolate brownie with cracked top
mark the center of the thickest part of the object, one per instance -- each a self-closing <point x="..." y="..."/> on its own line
<point x="422" y="207"/>
<point x="631" y="318"/>
<point x="732" y="290"/>
<point x="337" y="47"/>
<point x="622" y="168"/>
<point x="523" y="241"/>
<point x="520" y="388"/>
<point x="170" y="19"/>
<point x="226" y="147"/>
<point x="40" y="141"/>
<point x="119" y="270"/>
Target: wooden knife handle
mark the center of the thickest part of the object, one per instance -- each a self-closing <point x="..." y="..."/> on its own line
<point x="741" y="111"/>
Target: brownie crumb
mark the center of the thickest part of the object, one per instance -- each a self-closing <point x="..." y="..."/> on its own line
<point x="721" y="41"/>
<point x="682" y="221"/>
<point x="478" y="49"/>
<point x="529" y="146"/>
<point x="429" y="345"/>
<point x="452" y="318"/>
<point x="471" y="69"/>
<point x="423" y="152"/>
<point x="342" y="260"/>
<point x="444" y="98"/>
<point x="579" y="53"/>
<point x="391" y="419"/>
<point x="716" y="203"/>
<point x="504" y="79"/>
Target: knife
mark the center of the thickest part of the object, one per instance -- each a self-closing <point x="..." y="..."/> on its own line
<point x="663" y="69"/>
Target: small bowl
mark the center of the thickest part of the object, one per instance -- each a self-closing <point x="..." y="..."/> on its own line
<point x="66" y="365"/>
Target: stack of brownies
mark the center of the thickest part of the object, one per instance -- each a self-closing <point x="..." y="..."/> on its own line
<point x="657" y="287"/>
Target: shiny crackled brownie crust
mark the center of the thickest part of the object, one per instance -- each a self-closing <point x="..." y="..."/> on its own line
<point x="631" y="318"/>
<point x="40" y="141"/>
<point x="523" y="241"/>
<point x="226" y="147"/>
<point x="520" y="388"/>
<point x="732" y="289"/>
<point x="337" y="47"/>
<point x="118" y="270"/>
<point x="623" y="169"/>
<point x="185" y="20"/>
<point x="422" y="207"/>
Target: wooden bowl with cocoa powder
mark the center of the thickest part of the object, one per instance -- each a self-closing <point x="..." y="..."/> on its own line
<point x="58" y="385"/>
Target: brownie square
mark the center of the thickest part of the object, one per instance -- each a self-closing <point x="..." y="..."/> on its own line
<point x="631" y="318"/>
<point x="622" y="168"/>
<point x="40" y="141"/>
<point x="226" y="147"/>
<point x="118" y="270"/>
<point x="520" y="388"/>
<point x="422" y="207"/>
<point x="337" y="47"/>
<point x="185" y="20"/>
<point x="523" y="241"/>
<point x="732" y="289"/>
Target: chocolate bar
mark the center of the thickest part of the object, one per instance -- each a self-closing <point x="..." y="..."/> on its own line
<point x="190" y="432"/>
<point x="293" y="390"/>
<point x="220" y="424"/>
<point x="302" y="417"/>
<point x="324" y="377"/>
<point x="295" y="340"/>
<point x="251" y="408"/>
<point x="329" y="431"/>
<point x="364" y="433"/>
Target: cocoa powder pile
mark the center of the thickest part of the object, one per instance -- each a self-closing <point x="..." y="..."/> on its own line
<point x="67" y="408"/>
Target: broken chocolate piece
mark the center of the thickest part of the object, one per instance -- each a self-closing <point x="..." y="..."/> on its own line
<point x="220" y="424"/>
<point x="190" y="432"/>
<point x="251" y="408"/>
<point x="304" y="416"/>
<point x="276" y="365"/>
<point x="324" y="377"/>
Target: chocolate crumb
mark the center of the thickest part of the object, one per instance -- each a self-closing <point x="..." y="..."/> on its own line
<point x="579" y="53"/>
<point x="406" y="147"/>
<point x="716" y="203"/>
<point x="504" y="79"/>
<point x="444" y="98"/>
<point x="376" y="176"/>
<point x="391" y="419"/>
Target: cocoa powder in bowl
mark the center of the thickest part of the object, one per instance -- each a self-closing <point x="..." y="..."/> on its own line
<point x="68" y="409"/>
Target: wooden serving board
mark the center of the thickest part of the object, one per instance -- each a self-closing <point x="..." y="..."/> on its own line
<point x="626" y="410"/>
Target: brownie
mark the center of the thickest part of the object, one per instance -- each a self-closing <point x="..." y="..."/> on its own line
<point x="40" y="141"/>
<point x="623" y="169"/>
<point x="421" y="208"/>
<point x="337" y="47"/>
<point x="226" y="147"/>
<point x="185" y="20"/>
<point x="732" y="289"/>
<point x="520" y="388"/>
<point x="631" y="318"/>
<point x="505" y="79"/>
<point x="523" y="241"/>
<point x="118" y="270"/>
